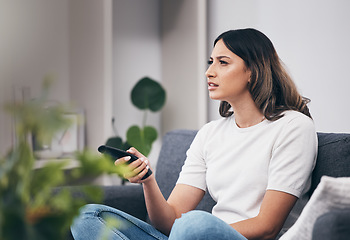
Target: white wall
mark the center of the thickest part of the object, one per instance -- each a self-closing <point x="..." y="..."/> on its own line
<point x="90" y="34"/>
<point x="312" y="39"/>
<point x="184" y="44"/>
<point x="34" y="36"/>
<point x="69" y="39"/>
<point x="136" y="54"/>
<point x="34" y="42"/>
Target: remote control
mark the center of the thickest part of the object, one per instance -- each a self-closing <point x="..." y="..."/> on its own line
<point x="118" y="153"/>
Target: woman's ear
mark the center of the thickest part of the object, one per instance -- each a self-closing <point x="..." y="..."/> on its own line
<point x="249" y="75"/>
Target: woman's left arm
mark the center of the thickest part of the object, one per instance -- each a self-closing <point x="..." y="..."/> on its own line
<point x="274" y="211"/>
<point x="291" y="164"/>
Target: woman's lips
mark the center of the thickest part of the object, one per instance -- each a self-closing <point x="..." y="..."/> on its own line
<point x="212" y="86"/>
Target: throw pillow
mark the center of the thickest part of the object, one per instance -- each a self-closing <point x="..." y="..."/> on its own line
<point x="331" y="194"/>
<point x="332" y="225"/>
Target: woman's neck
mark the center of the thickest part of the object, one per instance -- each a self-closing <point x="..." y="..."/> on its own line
<point x="244" y="122"/>
<point x="247" y="115"/>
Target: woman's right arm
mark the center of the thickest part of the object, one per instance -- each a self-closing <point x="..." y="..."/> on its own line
<point x="163" y="213"/>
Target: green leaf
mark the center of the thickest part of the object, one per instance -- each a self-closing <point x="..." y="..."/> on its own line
<point x="29" y="209"/>
<point x="42" y="181"/>
<point x="142" y="139"/>
<point x="148" y="94"/>
<point x="117" y="142"/>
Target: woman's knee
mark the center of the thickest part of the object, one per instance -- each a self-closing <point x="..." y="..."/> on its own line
<point x="191" y="225"/>
<point x="90" y="208"/>
<point x="192" y="218"/>
<point x="100" y="213"/>
<point x="199" y="225"/>
<point x="86" y="221"/>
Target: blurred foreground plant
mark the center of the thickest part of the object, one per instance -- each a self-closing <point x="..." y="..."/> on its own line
<point x="33" y="205"/>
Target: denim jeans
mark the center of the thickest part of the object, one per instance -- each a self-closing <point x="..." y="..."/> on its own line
<point x="91" y="224"/>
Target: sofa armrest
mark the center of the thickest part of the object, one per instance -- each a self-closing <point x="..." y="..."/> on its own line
<point x="333" y="225"/>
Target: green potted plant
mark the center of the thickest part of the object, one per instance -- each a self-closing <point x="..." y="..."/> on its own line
<point x="29" y="206"/>
<point x="146" y="95"/>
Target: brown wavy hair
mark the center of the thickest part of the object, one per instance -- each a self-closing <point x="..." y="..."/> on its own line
<point x="271" y="87"/>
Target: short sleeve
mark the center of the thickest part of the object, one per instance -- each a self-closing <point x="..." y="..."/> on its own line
<point x="293" y="157"/>
<point x="194" y="170"/>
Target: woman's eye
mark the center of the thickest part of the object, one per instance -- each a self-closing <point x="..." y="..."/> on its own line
<point x="210" y="62"/>
<point x="223" y="62"/>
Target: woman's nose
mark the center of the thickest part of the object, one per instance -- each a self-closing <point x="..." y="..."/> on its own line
<point x="209" y="73"/>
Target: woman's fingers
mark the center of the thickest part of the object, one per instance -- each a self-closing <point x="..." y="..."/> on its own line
<point x="138" y="178"/>
<point x="137" y="169"/>
<point x="134" y="151"/>
<point x="122" y="160"/>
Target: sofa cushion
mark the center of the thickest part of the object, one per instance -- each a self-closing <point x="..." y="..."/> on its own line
<point x="171" y="158"/>
<point x="333" y="157"/>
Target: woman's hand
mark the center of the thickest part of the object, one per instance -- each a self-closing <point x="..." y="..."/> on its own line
<point x="137" y="169"/>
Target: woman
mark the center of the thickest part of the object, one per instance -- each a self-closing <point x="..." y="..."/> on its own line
<point x="255" y="162"/>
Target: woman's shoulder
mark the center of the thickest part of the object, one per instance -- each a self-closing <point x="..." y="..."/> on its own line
<point x="295" y="116"/>
<point x="294" y="121"/>
<point x="221" y="122"/>
<point x="215" y="125"/>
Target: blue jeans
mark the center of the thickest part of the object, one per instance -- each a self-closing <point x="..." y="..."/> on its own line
<point x="194" y="225"/>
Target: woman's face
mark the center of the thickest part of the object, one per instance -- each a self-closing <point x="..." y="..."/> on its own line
<point x="227" y="75"/>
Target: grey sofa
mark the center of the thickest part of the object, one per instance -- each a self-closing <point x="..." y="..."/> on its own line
<point x="333" y="160"/>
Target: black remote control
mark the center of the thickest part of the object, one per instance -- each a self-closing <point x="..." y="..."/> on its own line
<point x="118" y="153"/>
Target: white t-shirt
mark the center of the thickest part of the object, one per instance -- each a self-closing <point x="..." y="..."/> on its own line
<point x="237" y="165"/>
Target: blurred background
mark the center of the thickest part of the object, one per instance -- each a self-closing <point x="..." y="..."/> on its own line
<point x="98" y="50"/>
